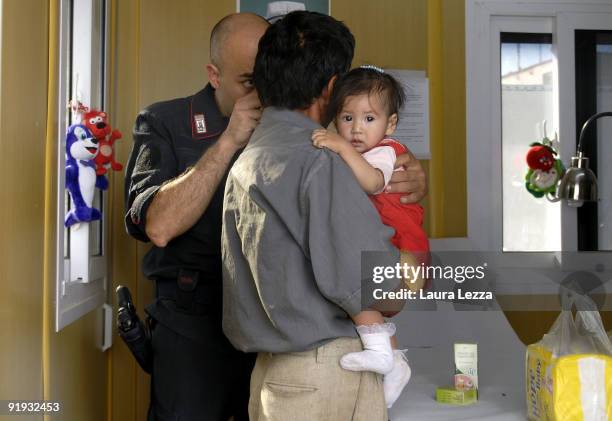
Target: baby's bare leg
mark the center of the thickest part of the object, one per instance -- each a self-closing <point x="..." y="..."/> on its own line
<point x="409" y="260"/>
<point x="368" y="318"/>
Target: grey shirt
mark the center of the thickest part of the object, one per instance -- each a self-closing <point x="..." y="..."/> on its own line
<point x="295" y="222"/>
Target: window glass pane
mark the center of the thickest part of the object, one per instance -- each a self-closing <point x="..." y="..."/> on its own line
<point x="529" y="223"/>
<point x="86" y="84"/>
<point x="604" y="139"/>
<point x="88" y="52"/>
<point x="66" y="231"/>
<point x="95" y="228"/>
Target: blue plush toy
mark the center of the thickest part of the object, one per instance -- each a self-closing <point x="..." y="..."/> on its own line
<point x="81" y="149"/>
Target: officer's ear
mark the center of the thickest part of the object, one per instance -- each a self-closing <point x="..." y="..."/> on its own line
<point x="214" y="75"/>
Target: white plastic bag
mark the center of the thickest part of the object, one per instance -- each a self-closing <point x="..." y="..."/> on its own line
<point x="583" y="335"/>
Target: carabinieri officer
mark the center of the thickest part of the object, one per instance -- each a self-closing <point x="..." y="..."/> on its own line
<point x="174" y="186"/>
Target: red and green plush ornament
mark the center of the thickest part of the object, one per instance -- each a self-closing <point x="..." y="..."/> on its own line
<point x="545" y="170"/>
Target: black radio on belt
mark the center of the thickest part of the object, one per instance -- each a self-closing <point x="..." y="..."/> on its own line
<point x="132" y="330"/>
<point x="186" y="283"/>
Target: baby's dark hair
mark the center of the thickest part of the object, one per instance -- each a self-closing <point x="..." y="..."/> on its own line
<point x="366" y="80"/>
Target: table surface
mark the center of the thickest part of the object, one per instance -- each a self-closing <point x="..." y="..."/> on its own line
<point x="429" y="336"/>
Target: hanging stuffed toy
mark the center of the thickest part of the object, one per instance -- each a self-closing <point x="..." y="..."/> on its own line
<point x="545" y="170"/>
<point x="81" y="149"/>
<point x="97" y="123"/>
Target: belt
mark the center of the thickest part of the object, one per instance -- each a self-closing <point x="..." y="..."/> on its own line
<point x="191" y="291"/>
<point x="333" y="349"/>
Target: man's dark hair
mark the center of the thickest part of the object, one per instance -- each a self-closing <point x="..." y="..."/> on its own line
<point x="363" y="80"/>
<point x="297" y="57"/>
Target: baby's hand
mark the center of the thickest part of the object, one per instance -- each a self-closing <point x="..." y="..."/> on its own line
<point x="322" y="138"/>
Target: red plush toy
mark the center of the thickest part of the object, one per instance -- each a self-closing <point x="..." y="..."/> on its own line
<point x="97" y="122"/>
<point x="541" y="157"/>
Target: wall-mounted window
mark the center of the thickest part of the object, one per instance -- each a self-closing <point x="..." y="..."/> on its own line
<point x="81" y="262"/>
<point x="530" y="62"/>
<point x="526" y="63"/>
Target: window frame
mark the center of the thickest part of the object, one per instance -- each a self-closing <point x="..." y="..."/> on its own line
<point x="485" y="19"/>
<point x="74" y="299"/>
<point x="567" y="24"/>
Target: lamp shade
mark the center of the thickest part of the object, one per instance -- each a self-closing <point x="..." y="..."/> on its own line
<point x="579" y="183"/>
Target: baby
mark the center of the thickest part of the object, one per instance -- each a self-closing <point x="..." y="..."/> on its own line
<point x="365" y="105"/>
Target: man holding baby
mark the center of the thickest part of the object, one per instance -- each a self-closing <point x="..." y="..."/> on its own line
<point x="295" y="223"/>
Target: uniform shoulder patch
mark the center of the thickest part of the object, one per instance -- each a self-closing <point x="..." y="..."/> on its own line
<point x="199" y="123"/>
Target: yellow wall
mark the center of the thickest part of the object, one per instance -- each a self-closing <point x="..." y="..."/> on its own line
<point x="23" y="108"/>
<point x="451" y="189"/>
<point x="36" y="363"/>
<point x="423" y="35"/>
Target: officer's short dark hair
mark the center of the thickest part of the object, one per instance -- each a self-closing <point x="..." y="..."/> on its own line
<point x="297" y="57"/>
<point x="370" y="81"/>
<point x="222" y="30"/>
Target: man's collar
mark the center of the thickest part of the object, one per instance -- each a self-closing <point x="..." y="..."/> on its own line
<point x="291" y="116"/>
<point x="205" y="117"/>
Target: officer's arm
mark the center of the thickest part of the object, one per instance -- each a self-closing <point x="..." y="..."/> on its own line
<point x="179" y="203"/>
<point x="152" y="162"/>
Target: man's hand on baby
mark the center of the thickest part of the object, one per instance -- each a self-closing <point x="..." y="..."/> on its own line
<point x="412" y="181"/>
<point x="322" y="138"/>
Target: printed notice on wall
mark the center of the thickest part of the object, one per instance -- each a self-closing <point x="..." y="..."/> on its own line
<point x="413" y="128"/>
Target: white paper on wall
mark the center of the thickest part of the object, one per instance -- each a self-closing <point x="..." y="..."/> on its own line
<point x="413" y="127"/>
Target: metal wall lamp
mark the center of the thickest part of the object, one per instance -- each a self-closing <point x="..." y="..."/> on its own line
<point x="579" y="183"/>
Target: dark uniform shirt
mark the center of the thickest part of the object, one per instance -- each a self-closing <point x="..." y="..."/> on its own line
<point x="197" y="374"/>
<point x="170" y="137"/>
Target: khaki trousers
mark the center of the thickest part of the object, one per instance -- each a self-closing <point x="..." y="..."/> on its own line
<point x="311" y="386"/>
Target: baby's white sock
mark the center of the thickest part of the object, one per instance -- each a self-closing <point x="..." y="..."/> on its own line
<point x="395" y="381"/>
<point x="377" y="355"/>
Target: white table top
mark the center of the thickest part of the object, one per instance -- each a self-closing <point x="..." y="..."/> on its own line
<point x="429" y="337"/>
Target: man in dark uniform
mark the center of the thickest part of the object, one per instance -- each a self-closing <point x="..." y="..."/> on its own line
<point x="175" y="180"/>
<point x="181" y="154"/>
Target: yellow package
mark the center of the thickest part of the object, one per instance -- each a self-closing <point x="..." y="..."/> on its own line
<point x="569" y="372"/>
<point x="568" y="388"/>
